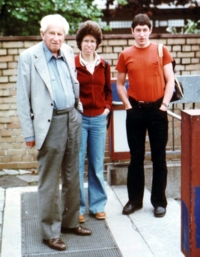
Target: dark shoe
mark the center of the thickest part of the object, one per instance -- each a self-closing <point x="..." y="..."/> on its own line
<point x="130" y="208"/>
<point x="55" y="243"/>
<point x="77" y="231"/>
<point x="159" y="211"/>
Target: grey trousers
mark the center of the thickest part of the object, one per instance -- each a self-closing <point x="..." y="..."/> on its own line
<point x="59" y="153"/>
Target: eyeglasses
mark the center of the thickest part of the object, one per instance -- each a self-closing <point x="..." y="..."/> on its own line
<point x="92" y="42"/>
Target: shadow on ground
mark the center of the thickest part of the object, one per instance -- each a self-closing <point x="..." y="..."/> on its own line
<point x="9" y="181"/>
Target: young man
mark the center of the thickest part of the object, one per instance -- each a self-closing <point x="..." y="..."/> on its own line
<point x="47" y="97"/>
<point x="146" y="102"/>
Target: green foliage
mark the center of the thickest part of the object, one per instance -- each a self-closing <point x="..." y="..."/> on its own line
<point x="190" y="28"/>
<point x="22" y="17"/>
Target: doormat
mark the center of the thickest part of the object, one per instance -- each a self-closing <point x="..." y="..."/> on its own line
<point x="101" y="243"/>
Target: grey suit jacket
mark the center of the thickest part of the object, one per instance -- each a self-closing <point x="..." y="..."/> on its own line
<point x="34" y="93"/>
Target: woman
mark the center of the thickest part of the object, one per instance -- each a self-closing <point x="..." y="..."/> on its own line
<point x="93" y="74"/>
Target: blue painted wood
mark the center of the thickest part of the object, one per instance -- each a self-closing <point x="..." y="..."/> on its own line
<point x="185" y="227"/>
<point x="197" y="215"/>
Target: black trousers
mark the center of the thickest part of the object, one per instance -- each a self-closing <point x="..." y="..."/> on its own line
<point x="143" y="118"/>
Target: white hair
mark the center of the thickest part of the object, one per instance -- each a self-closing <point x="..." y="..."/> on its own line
<point x="51" y="19"/>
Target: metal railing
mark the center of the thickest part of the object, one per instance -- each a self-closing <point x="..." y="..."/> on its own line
<point x="191" y="85"/>
<point x="174" y="115"/>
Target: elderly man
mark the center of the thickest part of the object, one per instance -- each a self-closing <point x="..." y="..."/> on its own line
<point x="47" y="100"/>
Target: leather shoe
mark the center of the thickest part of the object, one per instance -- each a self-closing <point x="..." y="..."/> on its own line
<point x="100" y="215"/>
<point x="130" y="208"/>
<point x="80" y="231"/>
<point x="159" y="211"/>
<point x="81" y="218"/>
<point x="55" y="243"/>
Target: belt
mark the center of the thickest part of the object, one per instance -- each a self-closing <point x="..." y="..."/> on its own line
<point x="62" y="111"/>
<point x="142" y="104"/>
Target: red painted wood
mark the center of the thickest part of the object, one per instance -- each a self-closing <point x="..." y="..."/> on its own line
<point x="190" y="180"/>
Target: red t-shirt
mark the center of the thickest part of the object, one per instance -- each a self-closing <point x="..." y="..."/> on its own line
<point x="144" y="69"/>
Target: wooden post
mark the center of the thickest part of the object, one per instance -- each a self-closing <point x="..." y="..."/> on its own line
<point x="190" y="183"/>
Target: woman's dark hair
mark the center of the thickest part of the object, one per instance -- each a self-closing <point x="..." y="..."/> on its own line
<point x="141" y="19"/>
<point x="89" y="28"/>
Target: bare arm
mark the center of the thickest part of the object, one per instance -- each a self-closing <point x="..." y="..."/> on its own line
<point x="169" y="88"/>
<point x="121" y="89"/>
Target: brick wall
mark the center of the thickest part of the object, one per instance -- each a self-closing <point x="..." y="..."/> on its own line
<point x="13" y="152"/>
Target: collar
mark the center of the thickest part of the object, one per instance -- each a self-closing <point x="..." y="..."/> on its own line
<point x="97" y="60"/>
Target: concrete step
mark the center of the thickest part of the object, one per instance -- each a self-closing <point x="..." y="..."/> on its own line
<point x="117" y="175"/>
<point x="141" y="234"/>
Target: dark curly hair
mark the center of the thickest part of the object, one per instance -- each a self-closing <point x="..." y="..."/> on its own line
<point x="141" y="19"/>
<point x="89" y="28"/>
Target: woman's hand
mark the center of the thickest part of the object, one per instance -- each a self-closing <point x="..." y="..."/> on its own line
<point x="106" y="111"/>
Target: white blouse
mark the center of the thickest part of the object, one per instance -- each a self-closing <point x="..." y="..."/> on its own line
<point x="90" y="66"/>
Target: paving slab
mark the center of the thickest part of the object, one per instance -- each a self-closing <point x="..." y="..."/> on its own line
<point x="2" y="204"/>
<point x="2" y="193"/>
<point x="2" y="173"/>
<point x="11" y="234"/>
<point x="8" y="181"/>
<point x="22" y="172"/>
<point x="31" y="179"/>
<point x="126" y="234"/>
<point x="11" y="172"/>
<point x="162" y="235"/>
